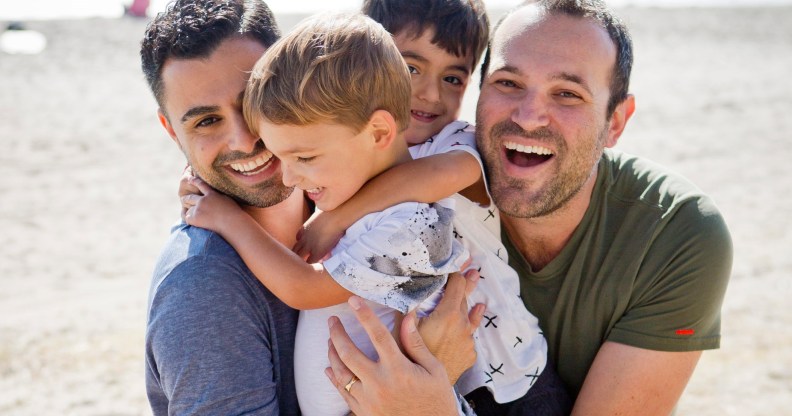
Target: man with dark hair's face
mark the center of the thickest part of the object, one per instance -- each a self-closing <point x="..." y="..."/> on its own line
<point x="201" y="111"/>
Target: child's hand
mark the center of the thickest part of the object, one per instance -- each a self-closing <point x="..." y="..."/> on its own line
<point x="317" y="237"/>
<point x="207" y="208"/>
<point x="187" y="188"/>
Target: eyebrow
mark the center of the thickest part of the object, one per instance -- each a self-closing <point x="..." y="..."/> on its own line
<point x="198" y="111"/>
<point x="563" y="76"/>
<point x="566" y="76"/>
<point x="206" y="109"/>
<point x="420" y="58"/>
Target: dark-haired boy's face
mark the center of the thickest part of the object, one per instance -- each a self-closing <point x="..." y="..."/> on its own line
<point x="439" y="81"/>
<point x="203" y="104"/>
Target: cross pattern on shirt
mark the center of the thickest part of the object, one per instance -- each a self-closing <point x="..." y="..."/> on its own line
<point x="490" y="214"/>
<point x="534" y="376"/>
<point x="491" y="321"/>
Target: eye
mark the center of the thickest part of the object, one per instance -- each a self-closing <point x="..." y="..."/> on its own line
<point x="506" y="83"/>
<point x="569" y="97"/>
<point x="305" y="159"/>
<point x="453" y="80"/>
<point x="413" y="70"/>
<point x="208" y="121"/>
<point x="568" y="94"/>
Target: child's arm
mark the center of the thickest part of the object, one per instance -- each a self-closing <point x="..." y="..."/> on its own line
<point x="426" y="180"/>
<point x="295" y="282"/>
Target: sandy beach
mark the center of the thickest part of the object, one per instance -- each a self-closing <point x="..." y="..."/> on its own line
<point x="88" y="181"/>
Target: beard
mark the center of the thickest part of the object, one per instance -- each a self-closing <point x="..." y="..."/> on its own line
<point x="262" y="195"/>
<point x="533" y="198"/>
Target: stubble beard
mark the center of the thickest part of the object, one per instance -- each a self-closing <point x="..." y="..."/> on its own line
<point x="264" y="194"/>
<point x="519" y="198"/>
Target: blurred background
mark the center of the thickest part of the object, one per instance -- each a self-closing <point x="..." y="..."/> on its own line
<point x="88" y="184"/>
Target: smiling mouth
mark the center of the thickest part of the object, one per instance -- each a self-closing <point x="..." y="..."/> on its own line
<point x="254" y="166"/>
<point x="423" y="116"/>
<point x="527" y="156"/>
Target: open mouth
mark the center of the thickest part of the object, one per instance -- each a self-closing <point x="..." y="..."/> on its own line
<point x="255" y="166"/>
<point x="527" y="156"/>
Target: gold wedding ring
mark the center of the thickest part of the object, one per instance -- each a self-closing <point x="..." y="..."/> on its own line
<point x="351" y="382"/>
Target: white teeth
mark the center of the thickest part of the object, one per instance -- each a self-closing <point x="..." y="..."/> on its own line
<point x="422" y="114"/>
<point x="313" y="191"/>
<point x="248" y="167"/>
<point x="539" y="150"/>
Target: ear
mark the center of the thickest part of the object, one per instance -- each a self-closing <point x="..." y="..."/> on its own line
<point x="619" y="119"/>
<point x="383" y="128"/>
<point x="163" y="119"/>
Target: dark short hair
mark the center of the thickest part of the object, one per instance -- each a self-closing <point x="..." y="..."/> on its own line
<point x="195" y="28"/>
<point x="461" y="26"/>
<point x="599" y="12"/>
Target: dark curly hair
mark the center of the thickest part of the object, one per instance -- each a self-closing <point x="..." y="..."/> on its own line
<point x="461" y="26"/>
<point x="194" y="28"/>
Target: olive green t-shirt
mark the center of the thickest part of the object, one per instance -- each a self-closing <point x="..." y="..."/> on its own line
<point x="647" y="267"/>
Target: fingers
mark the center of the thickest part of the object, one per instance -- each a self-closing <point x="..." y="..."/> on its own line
<point x="202" y="186"/>
<point x="471" y="281"/>
<point x="380" y="336"/>
<point x="185" y="185"/>
<point x="346" y="355"/>
<point x="339" y="375"/>
<point x="300" y="249"/>
<point x="415" y="347"/>
<point x="467" y="263"/>
<point x="454" y="293"/>
<point x="475" y="316"/>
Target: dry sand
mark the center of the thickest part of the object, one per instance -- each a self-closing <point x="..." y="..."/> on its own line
<point x="88" y="182"/>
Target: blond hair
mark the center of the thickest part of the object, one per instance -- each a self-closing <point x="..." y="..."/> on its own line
<point x="336" y="68"/>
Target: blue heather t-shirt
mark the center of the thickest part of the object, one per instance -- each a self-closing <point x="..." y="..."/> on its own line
<point x="217" y="341"/>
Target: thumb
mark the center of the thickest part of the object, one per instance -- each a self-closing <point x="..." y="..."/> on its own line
<point x="415" y="347"/>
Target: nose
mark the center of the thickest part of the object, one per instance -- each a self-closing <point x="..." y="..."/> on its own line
<point x="427" y="89"/>
<point x="531" y="111"/>
<point x="288" y="175"/>
<point x="241" y="139"/>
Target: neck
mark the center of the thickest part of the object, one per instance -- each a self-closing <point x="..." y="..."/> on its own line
<point x="283" y="220"/>
<point x="541" y="239"/>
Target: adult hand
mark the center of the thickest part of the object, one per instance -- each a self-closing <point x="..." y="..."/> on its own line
<point x="396" y="384"/>
<point x="448" y="330"/>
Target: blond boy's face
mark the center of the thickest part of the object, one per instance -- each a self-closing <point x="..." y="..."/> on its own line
<point x="330" y="162"/>
<point x="439" y="80"/>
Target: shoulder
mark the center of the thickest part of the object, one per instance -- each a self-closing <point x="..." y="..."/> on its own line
<point x="198" y="268"/>
<point x="457" y="135"/>
<point x="214" y="331"/>
<point x="680" y="209"/>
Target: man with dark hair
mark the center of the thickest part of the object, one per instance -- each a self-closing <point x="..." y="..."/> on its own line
<point x="624" y="262"/>
<point x="217" y="341"/>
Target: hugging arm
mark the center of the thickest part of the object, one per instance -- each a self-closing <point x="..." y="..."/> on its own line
<point x="297" y="283"/>
<point x="426" y="180"/>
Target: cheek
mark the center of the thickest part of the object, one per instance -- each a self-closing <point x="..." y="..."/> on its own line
<point x="453" y="102"/>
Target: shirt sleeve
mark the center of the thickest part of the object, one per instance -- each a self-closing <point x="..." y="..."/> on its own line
<point x="677" y="304"/>
<point x="398" y="257"/>
<point x="208" y="346"/>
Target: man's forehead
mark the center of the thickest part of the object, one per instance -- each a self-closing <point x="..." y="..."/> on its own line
<point x="221" y="75"/>
<point x="534" y="34"/>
